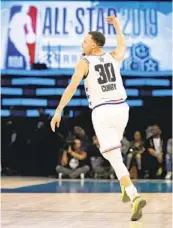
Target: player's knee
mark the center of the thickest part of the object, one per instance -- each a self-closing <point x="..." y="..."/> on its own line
<point x="113" y="155"/>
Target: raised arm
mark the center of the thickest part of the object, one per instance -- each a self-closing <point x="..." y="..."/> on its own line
<point x="119" y="52"/>
<point x="81" y="69"/>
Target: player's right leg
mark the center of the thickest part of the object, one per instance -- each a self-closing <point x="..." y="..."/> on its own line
<point x="129" y="191"/>
<point x="107" y="122"/>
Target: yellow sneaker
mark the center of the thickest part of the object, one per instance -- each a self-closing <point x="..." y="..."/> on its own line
<point x="138" y="204"/>
<point x="125" y="197"/>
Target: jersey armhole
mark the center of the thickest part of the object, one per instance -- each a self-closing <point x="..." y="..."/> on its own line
<point x="87" y="61"/>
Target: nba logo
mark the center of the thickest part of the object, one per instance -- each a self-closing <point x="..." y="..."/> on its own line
<point x="21" y="37"/>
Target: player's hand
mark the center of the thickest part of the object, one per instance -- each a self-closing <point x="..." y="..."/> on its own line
<point x="112" y="20"/>
<point x="55" y="121"/>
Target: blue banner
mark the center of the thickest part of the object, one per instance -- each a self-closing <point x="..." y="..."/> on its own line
<point x="52" y="33"/>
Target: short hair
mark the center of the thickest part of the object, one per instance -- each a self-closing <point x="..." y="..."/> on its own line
<point x="98" y="37"/>
<point x="158" y="127"/>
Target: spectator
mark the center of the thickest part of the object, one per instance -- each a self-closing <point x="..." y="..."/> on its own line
<point x="40" y="143"/>
<point x="5" y="170"/>
<point x="149" y="132"/>
<point x="65" y="125"/>
<point x="125" y="146"/>
<point x="154" y="153"/>
<point x="10" y="142"/>
<point x="168" y="159"/>
<point x="43" y="120"/>
<point x="79" y="133"/>
<point x="73" y="162"/>
<point x="100" y="166"/>
<point x="135" y="151"/>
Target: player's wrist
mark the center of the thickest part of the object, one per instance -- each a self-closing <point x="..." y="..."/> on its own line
<point x="116" y="24"/>
<point x="117" y="28"/>
<point x="58" y="110"/>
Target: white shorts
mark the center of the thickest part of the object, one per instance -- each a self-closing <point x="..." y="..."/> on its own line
<point x="109" y="122"/>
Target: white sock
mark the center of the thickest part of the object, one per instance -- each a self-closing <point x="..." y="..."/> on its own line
<point x="131" y="192"/>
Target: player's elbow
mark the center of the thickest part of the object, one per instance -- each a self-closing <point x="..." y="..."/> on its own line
<point x="123" y="47"/>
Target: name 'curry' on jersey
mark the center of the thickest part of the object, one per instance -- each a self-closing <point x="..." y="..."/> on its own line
<point x="103" y="82"/>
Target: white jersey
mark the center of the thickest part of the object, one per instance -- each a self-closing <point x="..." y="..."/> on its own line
<point x="103" y="82"/>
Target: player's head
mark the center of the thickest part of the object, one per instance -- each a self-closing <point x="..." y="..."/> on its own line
<point x="93" y="41"/>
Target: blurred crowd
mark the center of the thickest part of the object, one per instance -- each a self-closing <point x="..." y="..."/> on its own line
<point x="30" y="148"/>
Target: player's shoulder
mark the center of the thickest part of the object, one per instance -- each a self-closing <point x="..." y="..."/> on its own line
<point x="115" y="58"/>
<point x="82" y="65"/>
<point x="82" y="62"/>
<point x="85" y="59"/>
<point x="92" y="57"/>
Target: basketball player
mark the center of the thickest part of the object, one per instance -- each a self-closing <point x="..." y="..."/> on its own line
<point x="106" y="96"/>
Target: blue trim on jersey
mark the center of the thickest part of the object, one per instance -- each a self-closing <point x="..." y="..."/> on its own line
<point x="108" y="104"/>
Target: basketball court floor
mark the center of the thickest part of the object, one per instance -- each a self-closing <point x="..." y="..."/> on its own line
<point x="49" y="203"/>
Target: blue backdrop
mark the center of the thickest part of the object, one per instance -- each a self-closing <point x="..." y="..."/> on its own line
<point x="52" y="33"/>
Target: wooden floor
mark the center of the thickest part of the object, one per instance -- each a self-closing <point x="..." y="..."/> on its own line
<point x="78" y="210"/>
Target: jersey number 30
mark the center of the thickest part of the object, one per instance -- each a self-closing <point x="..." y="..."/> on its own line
<point x="106" y="72"/>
